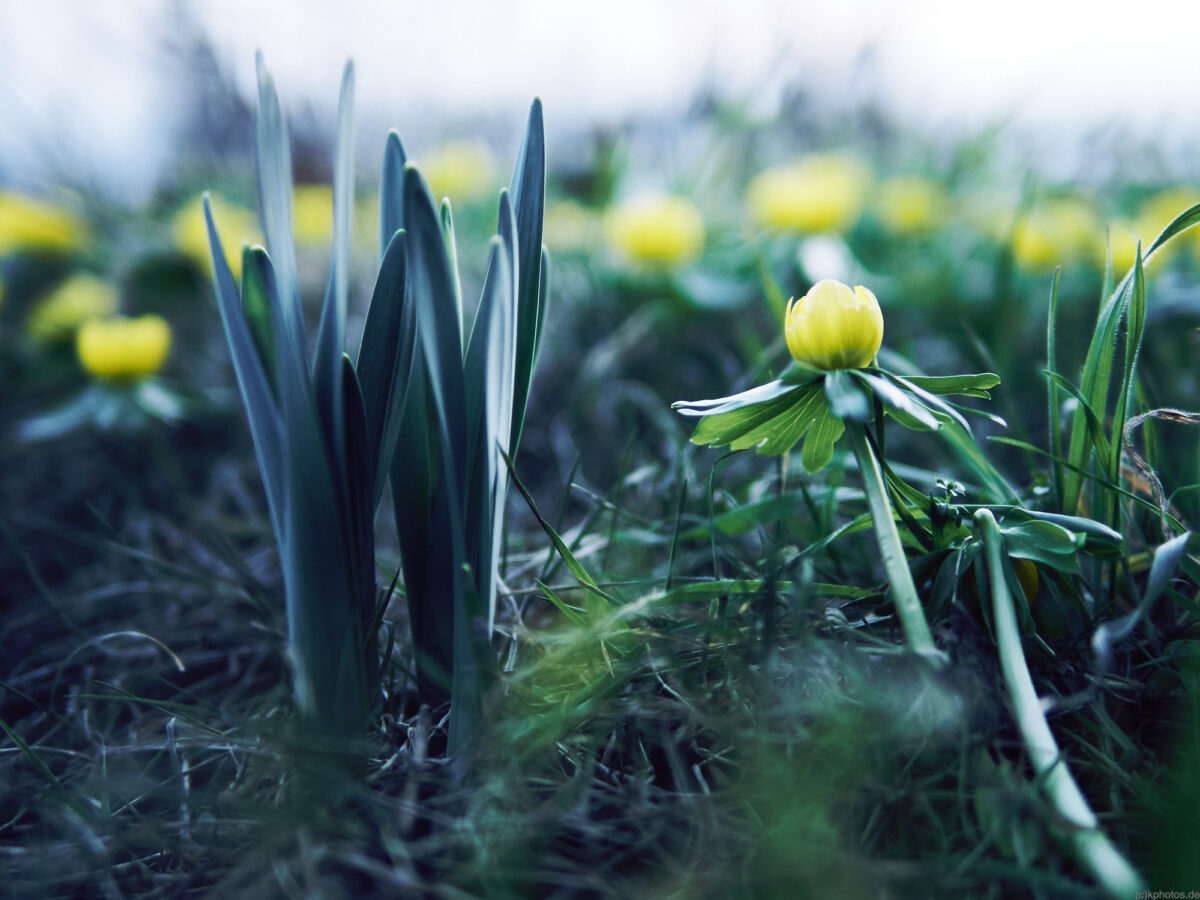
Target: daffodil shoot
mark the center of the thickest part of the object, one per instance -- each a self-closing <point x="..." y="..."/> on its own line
<point x="834" y="327"/>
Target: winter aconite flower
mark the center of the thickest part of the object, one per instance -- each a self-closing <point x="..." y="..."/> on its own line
<point x="821" y="192"/>
<point x="661" y="231"/>
<point x="191" y="231"/>
<point x="312" y="214"/>
<point x="461" y="170"/>
<point x="909" y="205"/>
<point x="1061" y="231"/>
<point x="1153" y="215"/>
<point x="58" y="315"/>
<point x="834" y="326"/>
<point x="123" y="349"/>
<point x="30" y="224"/>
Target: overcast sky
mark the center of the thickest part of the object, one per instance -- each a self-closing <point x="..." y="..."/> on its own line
<point x="90" y="88"/>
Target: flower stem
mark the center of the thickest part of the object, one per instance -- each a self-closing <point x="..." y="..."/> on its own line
<point x="1092" y="847"/>
<point x="904" y="592"/>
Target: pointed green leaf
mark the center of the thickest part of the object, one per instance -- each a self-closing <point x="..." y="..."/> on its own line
<point x="820" y="440"/>
<point x="528" y="189"/>
<point x="897" y="401"/>
<point x="327" y="361"/>
<point x="391" y="192"/>
<point x="385" y="360"/>
<point x="254" y="383"/>
<point x="275" y="201"/>
<point x="966" y="385"/>
<point x="257" y="308"/>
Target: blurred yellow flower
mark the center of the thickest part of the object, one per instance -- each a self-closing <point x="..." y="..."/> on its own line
<point x="1060" y="231"/>
<point x="59" y="314"/>
<point x="820" y="192"/>
<point x="461" y="170"/>
<point x="1123" y="236"/>
<point x="834" y="327"/>
<point x="910" y="205"/>
<point x="123" y="349"/>
<point x="312" y="214"/>
<point x="1154" y="214"/>
<point x="570" y="226"/>
<point x="30" y="224"/>
<point x="657" y="230"/>
<point x="235" y="224"/>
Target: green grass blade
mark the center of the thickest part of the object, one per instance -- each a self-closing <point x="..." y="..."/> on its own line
<point x="1097" y="368"/>
<point x="1135" y="328"/>
<point x="1051" y="387"/>
<point x="44" y="771"/>
<point x="574" y="566"/>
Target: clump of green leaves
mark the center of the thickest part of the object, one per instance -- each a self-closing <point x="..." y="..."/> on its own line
<point x="328" y="431"/>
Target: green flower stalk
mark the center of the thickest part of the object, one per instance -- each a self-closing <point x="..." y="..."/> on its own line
<point x="1092" y="847"/>
<point x="834" y="333"/>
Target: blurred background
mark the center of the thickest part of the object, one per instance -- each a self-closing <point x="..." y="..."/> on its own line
<point x="706" y="163"/>
<point x="115" y="97"/>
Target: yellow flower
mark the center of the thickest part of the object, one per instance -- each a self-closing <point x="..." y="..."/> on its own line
<point x="663" y="230"/>
<point x="30" y="224"/>
<point x="571" y="226"/>
<point x="911" y="205"/>
<point x="312" y="214"/>
<point x="461" y="170"/>
<point x="821" y="192"/>
<point x="1155" y="214"/>
<point x="235" y="224"/>
<point x="123" y="349"/>
<point x="1123" y="236"/>
<point x="57" y="315"/>
<point x="1060" y="231"/>
<point x="834" y="327"/>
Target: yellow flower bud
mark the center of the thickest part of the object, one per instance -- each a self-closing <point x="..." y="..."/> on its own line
<point x="235" y="224"/>
<point x="834" y="327"/>
<point x="461" y="170"/>
<point x="29" y="224"/>
<point x="123" y="349"/>
<point x="910" y="205"/>
<point x="821" y="192"/>
<point x="57" y="315"/>
<point x="663" y="231"/>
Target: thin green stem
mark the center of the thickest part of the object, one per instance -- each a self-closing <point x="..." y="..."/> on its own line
<point x="904" y="592"/>
<point x="1092" y="847"/>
